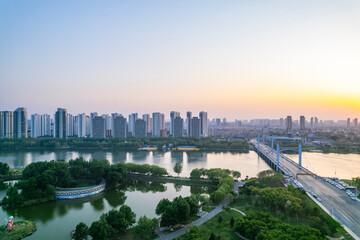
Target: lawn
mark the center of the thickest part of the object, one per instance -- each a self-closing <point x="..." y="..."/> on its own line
<point x="219" y="228"/>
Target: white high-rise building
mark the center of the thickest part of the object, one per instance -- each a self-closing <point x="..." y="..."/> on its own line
<point x="70" y="125"/>
<point x="35" y="125"/>
<point x="148" y="125"/>
<point x="131" y="123"/>
<point x="188" y="123"/>
<point x="92" y="116"/>
<point x="81" y="125"/>
<point x="158" y="123"/>
<point x="6" y="124"/>
<point x="45" y="125"/>
<point x="203" y="124"/>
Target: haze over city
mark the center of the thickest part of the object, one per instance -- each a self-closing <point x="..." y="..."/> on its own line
<point x="241" y="60"/>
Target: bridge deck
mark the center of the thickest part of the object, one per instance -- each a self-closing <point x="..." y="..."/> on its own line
<point x="344" y="208"/>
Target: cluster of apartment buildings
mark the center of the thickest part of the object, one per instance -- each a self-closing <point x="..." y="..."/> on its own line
<point x="15" y="125"/>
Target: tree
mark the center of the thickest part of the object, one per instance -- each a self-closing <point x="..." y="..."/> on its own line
<point x="212" y="236"/>
<point x="195" y="173"/>
<point x="4" y="168"/>
<point x="236" y="174"/>
<point x="99" y="230"/>
<point x="220" y="219"/>
<point x="81" y="231"/>
<point x="145" y="228"/>
<point x="162" y="206"/>
<point x="178" y="168"/>
<point x="232" y="221"/>
<point x="119" y="220"/>
<point x="193" y="234"/>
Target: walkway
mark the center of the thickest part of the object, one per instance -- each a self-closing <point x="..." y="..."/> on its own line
<point x="198" y="222"/>
<point x="204" y="218"/>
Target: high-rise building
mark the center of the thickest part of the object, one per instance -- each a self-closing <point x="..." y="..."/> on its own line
<point x="60" y="123"/>
<point x="316" y="122"/>
<point x="6" y="124"/>
<point x="178" y="127"/>
<point x="312" y="122"/>
<point x="70" y="124"/>
<point x="302" y="123"/>
<point x="131" y="123"/>
<point x="281" y="122"/>
<point x="119" y="127"/>
<point x="99" y="127"/>
<point x="188" y="121"/>
<point x="92" y="116"/>
<point x="173" y="115"/>
<point x="204" y="124"/>
<point x="140" y="128"/>
<point x="355" y="121"/>
<point x="158" y="123"/>
<point x="81" y="125"/>
<point x="148" y="125"/>
<point x="218" y="122"/>
<point x="195" y="127"/>
<point x="20" y="123"/>
<point x="35" y="125"/>
<point x="289" y="124"/>
<point x="45" y="125"/>
<point x="348" y="122"/>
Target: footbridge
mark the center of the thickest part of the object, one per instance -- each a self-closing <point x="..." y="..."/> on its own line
<point x="335" y="201"/>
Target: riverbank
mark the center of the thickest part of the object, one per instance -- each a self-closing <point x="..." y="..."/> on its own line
<point x="20" y="230"/>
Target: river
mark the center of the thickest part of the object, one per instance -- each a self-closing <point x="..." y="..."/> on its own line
<point x="55" y="220"/>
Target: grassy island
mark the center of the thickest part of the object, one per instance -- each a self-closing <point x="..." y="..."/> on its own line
<point x="20" y="230"/>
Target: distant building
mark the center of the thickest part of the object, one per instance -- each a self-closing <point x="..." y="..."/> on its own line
<point x="148" y="123"/>
<point x="99" y="127"/>
<point x="188" y="121"/>
<point x="348" y="122"/>
<point x="35" y="125"/>
<point x="178" y="127"/>
<point x="81" y="125"/>
<point x="70" y="124"/>
<point x="204" y="124"/>
<point x="92" y="116"/>
<point x="7" y="124"/>
<point x="20" y="123"/>
<point x="60" y="123"/>
<point x="302" y="124"/>
<point x="289" y="124"/>
<point x="173" y="115"/>
<point x="218" y="122"/>
<point x="312" y="123"/>
<point x="158" y="123"/>
<point x="195" y="127"/>
<point x="140" y="128"/>
<point x="355" y="121"/>
<point x="131" y="123"/>
<point x="119" y="127"/>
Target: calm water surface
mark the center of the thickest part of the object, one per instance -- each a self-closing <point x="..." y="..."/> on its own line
<point x="343" y="166"/>
<point x="55" y="220"/>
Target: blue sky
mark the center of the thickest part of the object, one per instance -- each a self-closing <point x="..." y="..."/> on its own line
<point x="238" y="59"/>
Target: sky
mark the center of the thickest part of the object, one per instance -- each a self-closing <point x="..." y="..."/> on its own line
<point x="234" y="59"/>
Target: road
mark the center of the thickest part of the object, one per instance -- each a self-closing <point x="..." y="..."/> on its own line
<point x="344" y="208"/>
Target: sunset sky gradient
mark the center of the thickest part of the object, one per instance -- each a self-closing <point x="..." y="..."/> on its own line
<point x="234" y="59"/>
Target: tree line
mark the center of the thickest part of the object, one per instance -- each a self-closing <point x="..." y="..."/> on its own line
<point x="130" y="143"/>
<point x="40" y="179"/>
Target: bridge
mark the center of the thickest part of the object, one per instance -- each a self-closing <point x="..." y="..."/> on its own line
<point x="335" y="201"/>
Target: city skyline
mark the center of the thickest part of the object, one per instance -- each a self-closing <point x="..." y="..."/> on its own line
<point x="240" y="61"/>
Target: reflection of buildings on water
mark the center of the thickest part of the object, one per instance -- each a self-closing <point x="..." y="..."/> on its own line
<point x="138" y="156"/>
<point x="119" y="156"/>
<point x="177" y="156"/>
<point x="196" y="156"/>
